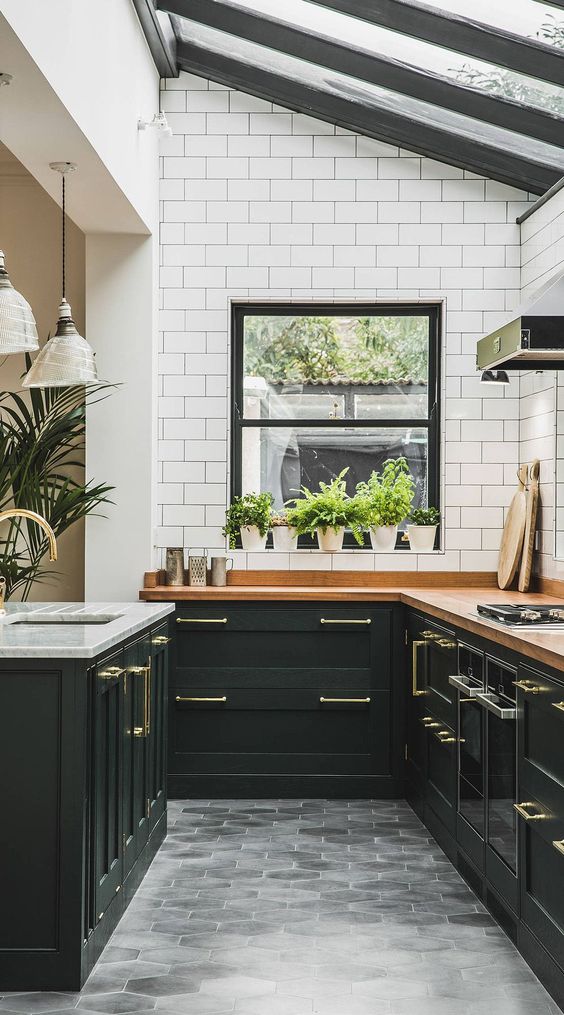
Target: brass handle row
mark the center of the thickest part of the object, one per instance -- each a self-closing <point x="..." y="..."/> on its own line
<point x="522" y="810"/>
<point x="349" y="701"/>
<point x="201" y="620"/>
<point x="345" y="621"/>
<point x="180" y="698"/>
<point x="416" y="693"/>
<point x="527" y="686"/>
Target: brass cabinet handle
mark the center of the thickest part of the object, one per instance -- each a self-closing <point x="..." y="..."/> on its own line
<point x="559" y="705"/>
<point x="559" y="845"/>
<point x="429" y="725"/>
<point x="201" y="620"/>
<point x="522" y="810"/>
<point x="416" y="693"/>
<point x="111" y="672"/>
<point x="444" y="737"/>
<point x="180" y="698"/>
<point x="345" y="620"/>
<point x="145" y="672"/>
<point x="349" y="701"/>
<point x="431" y="635"/>
<point x="161" y="639"/>
<point x="446" y="643"/>
<point x="527" y="686"/>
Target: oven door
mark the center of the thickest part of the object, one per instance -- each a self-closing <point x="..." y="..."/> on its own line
<point x="500" y="715"/>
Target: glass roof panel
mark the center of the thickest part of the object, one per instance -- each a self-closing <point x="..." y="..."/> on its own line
<point x="528" y="18"/>
<point x="435" y="60"/>
<point x="371" y="96"/>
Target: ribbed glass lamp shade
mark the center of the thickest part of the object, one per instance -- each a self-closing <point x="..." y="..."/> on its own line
<point x="65" y="360"/>
<point x="18" y="331"/>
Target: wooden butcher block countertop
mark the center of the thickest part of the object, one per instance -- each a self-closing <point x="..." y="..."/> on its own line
<point x="451" y="603"/>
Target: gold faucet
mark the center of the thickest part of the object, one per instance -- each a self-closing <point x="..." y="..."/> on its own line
<point x="43" y="523"/>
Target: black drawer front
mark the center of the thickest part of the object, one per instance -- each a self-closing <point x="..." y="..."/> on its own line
<point x="542" y="726"/>
<point x="542" y="887"/>
<point x="274" y="732"/>
<point x="297" y="647"/>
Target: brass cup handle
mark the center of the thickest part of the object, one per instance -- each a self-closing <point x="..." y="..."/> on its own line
<point x="112" y="672"/>
<point x="429" y="723"/>
<point x="179" y="697"/>
<point x="201" y="620"/>
<point x="348" y="701"/>
<point x="559" y="845"/>
<point x="527" y="686"/>
<point x="415" y="691"/>
<point x="444" y="737"/>
<point x="446" y="643"/>
<point x="523" y="812"/>
<point x="345" y="620"/>
<point x="161" y="639"/>
<point x="560" y="706"/>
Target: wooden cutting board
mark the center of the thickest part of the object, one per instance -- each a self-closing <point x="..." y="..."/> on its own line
<point x="513" y="533"/>
<point x="530" y="526"/>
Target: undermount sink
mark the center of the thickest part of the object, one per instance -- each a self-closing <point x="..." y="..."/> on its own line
<point x="63" y="618"/>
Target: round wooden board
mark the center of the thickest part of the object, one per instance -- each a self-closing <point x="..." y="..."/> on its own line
<point x="512" y="539"/>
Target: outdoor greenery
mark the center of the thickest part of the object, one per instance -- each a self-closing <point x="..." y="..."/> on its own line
<point x="517" y="87"/>
<point x="251" y="509"/>
<point x="330" y="507"/>
<point x="303" y="349"/>
<point x="424" y="516"/>
<point x="387" y="496"/>
<point x="42" y="469"/>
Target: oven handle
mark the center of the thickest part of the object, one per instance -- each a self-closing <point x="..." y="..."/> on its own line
<point x="464" y="685"/>
<point x="490" y="701"/>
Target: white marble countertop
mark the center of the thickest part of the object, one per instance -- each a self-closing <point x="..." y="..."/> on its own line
<point x="72" y="630"/>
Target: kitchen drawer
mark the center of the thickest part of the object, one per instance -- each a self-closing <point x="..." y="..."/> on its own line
<point x="271" y="732"/>
<point x="442" y="753"/>
<point x="440" y="661"/>
<point x="541" y="722"/>
<point x="297" y="647"/>
<point x="542" y="884"/>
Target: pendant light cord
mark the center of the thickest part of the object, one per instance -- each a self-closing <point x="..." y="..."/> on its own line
<point x="64" y="239"/>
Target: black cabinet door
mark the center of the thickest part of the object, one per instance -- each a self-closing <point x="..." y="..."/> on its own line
<point x="417" y="716"/>
<point x="135" y="816"/>
<point x="157" y="701"/>
<point x="441" y="767"/>
<point x="107" y="771"/>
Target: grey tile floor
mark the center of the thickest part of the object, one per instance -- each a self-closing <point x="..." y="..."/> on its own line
<point x="309" y="907"/>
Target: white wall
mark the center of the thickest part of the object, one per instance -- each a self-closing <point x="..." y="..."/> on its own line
<point x="261" y="202"/>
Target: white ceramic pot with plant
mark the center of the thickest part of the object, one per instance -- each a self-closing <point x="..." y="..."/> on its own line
<point x="326" y="513"/>
<point x="249" y="516"/>
<point x="422" y="529"/>
<point x="284" y="535"/>
<point x="384" y="501"/>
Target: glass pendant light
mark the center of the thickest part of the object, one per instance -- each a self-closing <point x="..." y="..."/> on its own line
<point x="66" y="359"/>
<point x="18" y="331"/>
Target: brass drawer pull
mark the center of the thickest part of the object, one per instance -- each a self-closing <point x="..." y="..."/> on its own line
<point x="522" y="810"/>
<point x="559" y="705"/>
<point x="180" y="698"/>
<point x="201" y="620"/>
<point x="161" y="639"/>
<point x="431" y="635"/>
<point x="527" y="686"/>
<point x="446" y="643"/>
<point x="112" y="672"/>
<point x="444" y="737"/>
<point x="429" y="723"/>
<point x="348" y="701"/>
<point x="559" y="845"/>
<point x="416" y="693"/>
<point x="145" y="672"/>
<point x="345" y="621"/>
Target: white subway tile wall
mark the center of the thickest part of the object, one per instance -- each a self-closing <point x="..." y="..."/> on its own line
<point x="259" y="202"/>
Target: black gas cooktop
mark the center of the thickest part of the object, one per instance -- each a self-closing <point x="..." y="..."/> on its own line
<point x="513" y="615"/>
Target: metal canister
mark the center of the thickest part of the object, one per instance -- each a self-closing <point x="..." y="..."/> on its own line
<point x="175" y="565"/>
<point x="197" y="568"/>
<point x="219" y="570"/>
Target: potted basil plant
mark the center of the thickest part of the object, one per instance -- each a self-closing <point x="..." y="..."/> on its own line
<point x="284" y="534"/>
<point x="422" y="529"/>
<point x="385" y="500"/>
<point x="250" y="516"/>
<point x="326" y="513"/>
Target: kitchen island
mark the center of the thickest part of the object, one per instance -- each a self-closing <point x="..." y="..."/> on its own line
<point x="83" y="691"/>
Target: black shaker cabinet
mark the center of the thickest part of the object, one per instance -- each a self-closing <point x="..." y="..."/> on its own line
<point x="82" y="751"/>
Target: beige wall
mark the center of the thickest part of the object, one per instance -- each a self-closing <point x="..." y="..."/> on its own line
<point x="30" y="235"/>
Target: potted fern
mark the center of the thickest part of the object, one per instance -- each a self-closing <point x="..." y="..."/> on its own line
<point x="422" y="529"/>
<point x="326" y="513"/>
<point x="284" y="533"/>
<point x="384" y="502"/>
<point x="250" y="517"/>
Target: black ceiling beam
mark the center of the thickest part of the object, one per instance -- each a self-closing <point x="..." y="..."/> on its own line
<point x="367" y="66"/>
<point x="160" y="37"/>
<point x="354" y="113"/>
<point x="485" y="42"/>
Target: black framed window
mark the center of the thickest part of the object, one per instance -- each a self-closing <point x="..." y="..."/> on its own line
<point x="317" y="388"/>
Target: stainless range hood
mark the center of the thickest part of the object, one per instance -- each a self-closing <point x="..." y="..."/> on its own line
<point x="531" y="339"/>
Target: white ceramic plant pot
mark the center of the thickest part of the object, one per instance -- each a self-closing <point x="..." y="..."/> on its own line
<point x="285" y="538"/>
<point x="331" y="541"/>
<point x="251" y="538"/>
<point x="421" y="537"/>
<point x="383" y="538"/>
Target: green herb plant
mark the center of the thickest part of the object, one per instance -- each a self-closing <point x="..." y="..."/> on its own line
<point x="330" y="507"/>
<point x="387" y="496"/>
<point x="424" y="516"/>
<point x="251" y="509"/>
